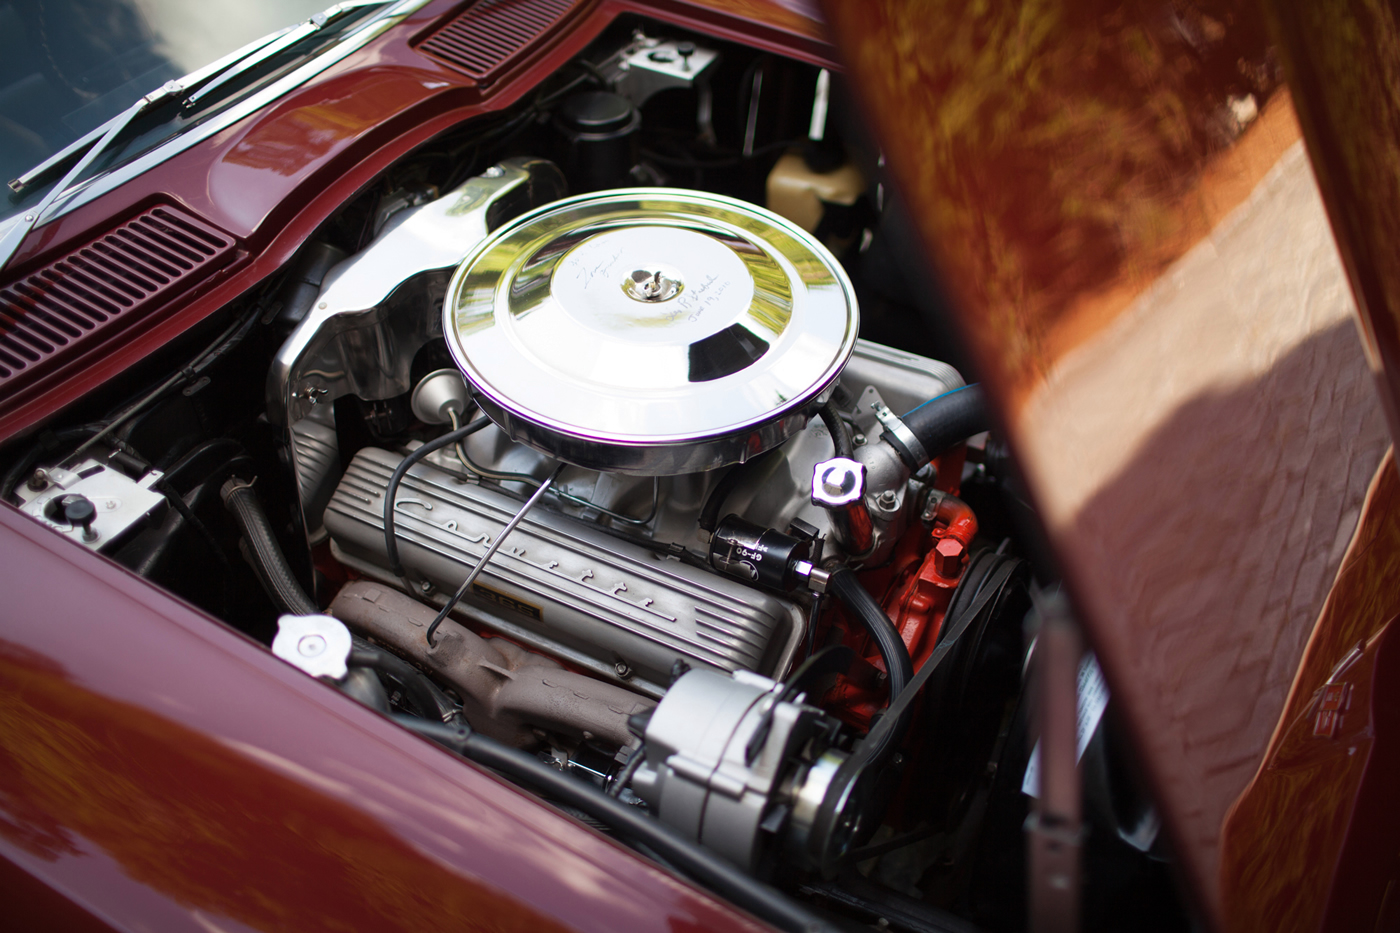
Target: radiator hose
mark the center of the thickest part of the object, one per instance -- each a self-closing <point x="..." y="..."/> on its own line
<point x="940" y="423"/>
<point x="264" y="553"/>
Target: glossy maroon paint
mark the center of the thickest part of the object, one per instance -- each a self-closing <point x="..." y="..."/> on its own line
<point x="1175" y="563"/>
<point x="1071" y="161"/>
<point x="159" y="771"/>
<point x="274" y="177"/>
<point x="1324" y="795"/>
<point x="1343" y="57"/>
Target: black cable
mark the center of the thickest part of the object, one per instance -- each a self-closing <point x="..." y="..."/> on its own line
<point x="813" y="614"/>
<point x="840" y="440"/>
<point x="177" y="502"/>
<point x="491" y="549"/>
<point x="50" y="443"/>
<point x="844" y="585"/>
<point x="625" y="776"/>
<point x="687" y="857"/>
<point x="47" y="445"/>
<point x="714" y="502"/>
<point x="222" y="345"/>
<point x="391" y="545"/>
<point x="268" y="562"/>
<point x="223" y="451"/>
<point x="593" y="70"/>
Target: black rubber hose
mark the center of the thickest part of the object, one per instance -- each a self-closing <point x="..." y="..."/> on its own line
<point x="942" y="422"/>
<point x="391" y="544"/>
<point x="840" y="440"/>
<point x="420" y="691"/>
<point x="709" y="512"/>
<point x="714" y="502"/>
<point x="281" y="584"/>
<point x="700" y="864"/>
<point x="268" y="562"/>
<point x="845" y="587"/>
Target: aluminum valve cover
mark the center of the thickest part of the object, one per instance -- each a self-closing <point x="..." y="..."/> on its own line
<point x="650" y="330"/>
<point x="561" y="585"/>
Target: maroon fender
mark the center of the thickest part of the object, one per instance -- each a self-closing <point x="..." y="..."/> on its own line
<point x="159" y="771"/>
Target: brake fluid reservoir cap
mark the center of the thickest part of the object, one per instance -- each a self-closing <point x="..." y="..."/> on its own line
<point x="650" y="330"/>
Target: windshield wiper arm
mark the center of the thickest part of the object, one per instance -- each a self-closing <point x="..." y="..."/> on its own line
<point x="10" y="242"/>
<point x="74" y="150"/>
<point x="87" y="149"/>
<point x="280" y="44"/>
<point x="200" y="82"/>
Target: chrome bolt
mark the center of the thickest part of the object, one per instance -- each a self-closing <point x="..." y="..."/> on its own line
<point x="887" y="500"/>
<point x="39" y="479"/>
<point x="858" y="439"/>
<point x="426" y="588"/>
<point x="623" y="669"/>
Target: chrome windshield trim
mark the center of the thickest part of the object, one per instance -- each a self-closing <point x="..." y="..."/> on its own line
<point x="99" y="185"/>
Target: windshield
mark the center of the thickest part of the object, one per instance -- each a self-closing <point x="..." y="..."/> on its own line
<point x="68" y="66"/>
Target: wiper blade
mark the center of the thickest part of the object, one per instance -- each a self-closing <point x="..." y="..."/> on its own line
<point x="280" y="44"/>
<point x="87" y="149"/>
<point x="74" y="150"/>
<point x="201" y="82"/>
<point x="9" y="243"/>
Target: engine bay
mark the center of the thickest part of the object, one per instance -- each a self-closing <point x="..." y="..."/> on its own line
<point x="602" y="429"/>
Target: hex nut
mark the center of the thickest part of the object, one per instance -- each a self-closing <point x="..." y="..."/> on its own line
<point x="948" y="557"/>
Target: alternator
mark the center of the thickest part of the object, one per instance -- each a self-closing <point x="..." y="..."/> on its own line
<point x="744" y="769"/>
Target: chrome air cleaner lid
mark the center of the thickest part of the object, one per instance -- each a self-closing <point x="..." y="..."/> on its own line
<point x="650" y="330"/>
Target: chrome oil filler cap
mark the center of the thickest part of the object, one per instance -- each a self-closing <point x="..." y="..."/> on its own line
<point x="650" y="331"/>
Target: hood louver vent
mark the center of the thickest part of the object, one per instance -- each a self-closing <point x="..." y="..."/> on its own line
<point x="133" y="268"/>
<point x="479" y="41"/>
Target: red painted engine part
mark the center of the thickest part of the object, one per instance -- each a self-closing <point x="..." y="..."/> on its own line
<point x="915" y="588"/>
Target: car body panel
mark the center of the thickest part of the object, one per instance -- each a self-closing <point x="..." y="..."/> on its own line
<point x="1169" y="335"/>
<point x="1322" y="797"/>
<point x="161" y="771"/>
<point x="271" y="179"/>
<point x="1141" y="263"/>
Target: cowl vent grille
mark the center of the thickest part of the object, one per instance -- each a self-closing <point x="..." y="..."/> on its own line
<point x="131" y="269"/>
<point x="480" y="40"/>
